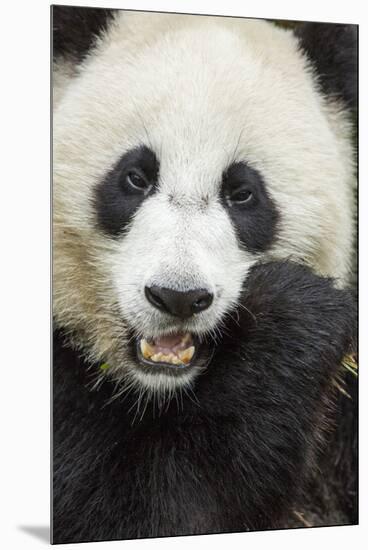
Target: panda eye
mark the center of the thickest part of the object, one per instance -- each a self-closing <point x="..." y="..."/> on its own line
<point x="138" y="181"/>
<point x="240" y="196"/>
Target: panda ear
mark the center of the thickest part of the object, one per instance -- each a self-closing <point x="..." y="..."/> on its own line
<point x="75" y="29"/>
<point x="333" y="51"/>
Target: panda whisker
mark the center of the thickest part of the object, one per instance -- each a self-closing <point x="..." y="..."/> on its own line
<point x="191" y="395"/>
<point x="242" y="306"/>
<point x="136" y="404"/>
<point x="121" y="391"/>
<point x="146" y="401"/>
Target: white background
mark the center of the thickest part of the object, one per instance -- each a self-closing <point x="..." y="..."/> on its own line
<point x="25" y="271"/>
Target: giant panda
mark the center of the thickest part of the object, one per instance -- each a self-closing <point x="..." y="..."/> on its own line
<point x="203" y="259"/>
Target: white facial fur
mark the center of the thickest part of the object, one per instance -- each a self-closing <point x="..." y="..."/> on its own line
<point x="183" y="247"/>
<point x="201" y="92"/>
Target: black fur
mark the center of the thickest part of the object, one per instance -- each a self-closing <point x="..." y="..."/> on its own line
<point x="331" y="496"/>
<point x="333" y="50"/>
<point x="255" y="220"/>
<point x="240" y="453"/>
<point x="115" y="200"/>
<point x="75" y="29"/>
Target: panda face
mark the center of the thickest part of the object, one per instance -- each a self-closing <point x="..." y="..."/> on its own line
<point x="185" y="150"/>
<point x="189" y="248"/>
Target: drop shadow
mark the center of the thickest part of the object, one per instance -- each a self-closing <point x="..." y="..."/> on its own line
<point x="41" y="532"/>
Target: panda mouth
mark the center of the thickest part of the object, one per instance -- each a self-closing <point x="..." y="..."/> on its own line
<point x="174" y="351"/>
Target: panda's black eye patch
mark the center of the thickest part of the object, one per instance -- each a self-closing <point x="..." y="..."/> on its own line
<point x="133" y="178"/>
<point x="250" y="207"/>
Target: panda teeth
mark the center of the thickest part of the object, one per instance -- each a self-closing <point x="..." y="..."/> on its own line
<point x="161" y="358"/>
<point x="147" y="350"/>
<point x="182" y="357"/>
<point x="187" y="354"/>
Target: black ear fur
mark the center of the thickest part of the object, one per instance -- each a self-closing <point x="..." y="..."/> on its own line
<point x="75" y="29"/>
<point x="333" y="50"/>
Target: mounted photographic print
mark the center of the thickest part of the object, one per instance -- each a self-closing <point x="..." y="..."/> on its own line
<point x="204" y="274"/>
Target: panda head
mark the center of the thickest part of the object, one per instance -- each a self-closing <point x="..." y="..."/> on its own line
<point x="186" y="149"/>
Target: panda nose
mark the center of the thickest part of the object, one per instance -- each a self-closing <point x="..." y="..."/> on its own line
<point x="179" y="304"/>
